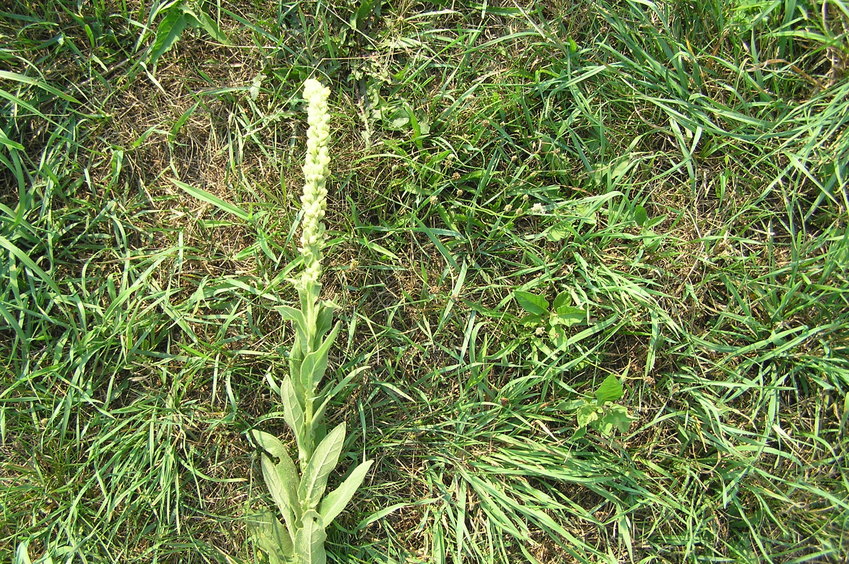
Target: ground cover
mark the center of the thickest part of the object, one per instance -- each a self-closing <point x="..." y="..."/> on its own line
<point x="526" y="199"/>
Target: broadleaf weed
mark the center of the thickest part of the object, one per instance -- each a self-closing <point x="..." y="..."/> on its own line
<point x="602" y="414"/>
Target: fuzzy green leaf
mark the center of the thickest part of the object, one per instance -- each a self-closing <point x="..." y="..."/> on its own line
<point x="335" y="502"/>
<point x="610" y="390"/>
<point x="293" y="411"/>
<point x="292" y="314"/>
<point x="300" y="346"/>
<point x="324" y="321"/>
<point x="309" y="540"/>
<point x="315" y="363"/>
<point x="271" y="536"/>
<point x="22" y="553"/>
<point x="281" y="477"/>
<point x="321" y="464"/>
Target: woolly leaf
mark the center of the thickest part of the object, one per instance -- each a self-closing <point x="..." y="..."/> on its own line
<point x="293" y="411"/>
<point x="309" y="540"/>
<point x="324" y="321"/>
<point x="271" y="536"/>
<point x="281" y="477"/>
<point x="335" y="502"/>
<point x="315" y="363"/>
<point x="321" y="464"/>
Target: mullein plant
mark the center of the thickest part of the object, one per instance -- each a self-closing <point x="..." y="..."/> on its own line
<point x="299" y="490"/>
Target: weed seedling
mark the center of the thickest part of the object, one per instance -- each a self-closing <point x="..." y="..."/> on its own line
<point x="601" y="413"/>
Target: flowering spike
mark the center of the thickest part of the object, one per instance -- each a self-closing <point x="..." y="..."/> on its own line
<point x="316" y="170"/>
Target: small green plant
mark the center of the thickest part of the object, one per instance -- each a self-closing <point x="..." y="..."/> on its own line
<point x="549" y="321"/>
<point x="602" y="414"/>
<point x="299" y="491"/>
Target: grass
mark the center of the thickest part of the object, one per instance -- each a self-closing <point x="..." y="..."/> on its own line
<point x="677" y="169"/>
